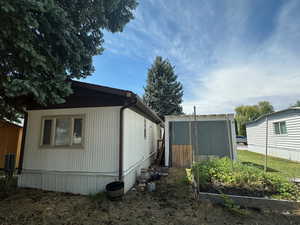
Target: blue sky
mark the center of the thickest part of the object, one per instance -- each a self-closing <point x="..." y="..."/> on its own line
<point x="226" y="52"/>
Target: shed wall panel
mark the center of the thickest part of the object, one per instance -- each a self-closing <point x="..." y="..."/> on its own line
<point x="169" y="120"/>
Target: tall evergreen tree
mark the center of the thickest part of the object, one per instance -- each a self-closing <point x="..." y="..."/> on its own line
<point x="44" y="43"/>
<point x="163" y="93"/>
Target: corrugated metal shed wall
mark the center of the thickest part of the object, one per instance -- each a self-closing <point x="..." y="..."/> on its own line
<point x="211" y="138"/>
<point x="208" y="138"/>
<point x="229" y="118"/>
<point x="285" y="145"/>
<point x="137" y="148"/>
<point x="101" y="142"/>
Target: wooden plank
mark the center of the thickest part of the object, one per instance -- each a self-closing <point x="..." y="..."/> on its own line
<point x="9" y="142"/>
<point x="251" y="202"/>
<point x="182" y="156"/>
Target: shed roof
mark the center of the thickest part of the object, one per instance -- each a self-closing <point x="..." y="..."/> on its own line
<point x="199" y="117"/>
<point x="292" y="109"/>
<point x="92" y="95"/>
<point x="11" y="123"/>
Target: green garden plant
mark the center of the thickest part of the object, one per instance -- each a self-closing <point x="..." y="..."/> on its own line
<point x="223" y="174"/>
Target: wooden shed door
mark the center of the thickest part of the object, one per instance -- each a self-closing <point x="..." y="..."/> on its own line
<point x="182" y="156"/>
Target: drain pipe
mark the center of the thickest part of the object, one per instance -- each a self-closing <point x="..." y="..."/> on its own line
<point x="20" y="166"/>
<point x="121" y="133"/>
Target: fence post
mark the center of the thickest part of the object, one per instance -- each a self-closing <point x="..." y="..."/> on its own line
<point x="266" y="155"/>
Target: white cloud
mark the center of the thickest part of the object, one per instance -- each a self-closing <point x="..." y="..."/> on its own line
<point x="271" y="71"/>
<point x="211" y="45"/>
<point x="227" y="88"/>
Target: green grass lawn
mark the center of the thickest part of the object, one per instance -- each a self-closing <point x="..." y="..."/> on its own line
<point x="280" y="166"/>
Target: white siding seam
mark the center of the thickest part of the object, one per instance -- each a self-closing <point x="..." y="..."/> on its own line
<point x="70" y="172"/>
<point x="277" y="147"/>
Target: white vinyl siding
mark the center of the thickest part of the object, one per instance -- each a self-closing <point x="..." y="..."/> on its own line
<point x="101" y="144"/>
<point x="87" y="170"/>
<point x="285" y="145"/>
<point x="137" y="149"/>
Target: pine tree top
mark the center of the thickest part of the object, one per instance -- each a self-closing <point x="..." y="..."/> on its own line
<point x="163" y="93"/>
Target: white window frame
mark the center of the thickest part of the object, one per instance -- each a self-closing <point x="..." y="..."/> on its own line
<point x="53" y="131"/>
<point x="279" y="126"/>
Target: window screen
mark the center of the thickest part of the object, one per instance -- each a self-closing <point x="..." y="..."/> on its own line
<point x="62" y="131"/>
<point x="277" y="128"/>
<point x="280" y="127"/>
<point x="47" y="132"/>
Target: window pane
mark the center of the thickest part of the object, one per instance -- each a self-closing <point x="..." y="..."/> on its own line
<point x="47" y="132"/>
<point x="276" y="125"/>
<point x="77" y="132"/>
<point x="62" y="131"/>
<point x="283" y="128"/>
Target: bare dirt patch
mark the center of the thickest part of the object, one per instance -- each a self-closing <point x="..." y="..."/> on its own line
<point x="172" y="203"/>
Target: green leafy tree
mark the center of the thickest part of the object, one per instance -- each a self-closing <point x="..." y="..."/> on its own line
<point x="265" y="107"/>
<point x="244" y="114"/>
<point x="297" y="104"/>
<point x="44" y="43"/>
<point x="163" y="93"/>
<point x="247" y="113"/>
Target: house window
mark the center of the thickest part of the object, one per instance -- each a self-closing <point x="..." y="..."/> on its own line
<point x="280" y="128"/>
<point x="145" y="129"/>
<point x="62" y="131"/>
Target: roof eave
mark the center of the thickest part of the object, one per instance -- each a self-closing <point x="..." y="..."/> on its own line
<point x="273" y="113"/>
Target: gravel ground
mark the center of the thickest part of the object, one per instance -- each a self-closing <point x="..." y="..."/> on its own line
<point x="172" y="203"/>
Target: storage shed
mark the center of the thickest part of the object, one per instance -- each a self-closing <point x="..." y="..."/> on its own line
<point x="192" y="138"/>
<point x="277" y="133"/>
<point x="99" y="135"/>
<point x="10" y="140"/>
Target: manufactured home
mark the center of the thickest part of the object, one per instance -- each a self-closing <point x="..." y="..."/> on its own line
<point x="10" y="140"/>
<point x="99" y="135"/>
<point x="191" y="138"/>
<point x="277" y="133"/>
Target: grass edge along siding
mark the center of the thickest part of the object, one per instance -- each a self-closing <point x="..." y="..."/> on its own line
<point x="283" y="167"/>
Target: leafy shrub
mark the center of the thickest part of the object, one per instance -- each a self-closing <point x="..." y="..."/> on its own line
<point x="224" y="173"/>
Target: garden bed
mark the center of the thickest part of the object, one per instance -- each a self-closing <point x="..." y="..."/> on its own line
<point x="221" y="179"/>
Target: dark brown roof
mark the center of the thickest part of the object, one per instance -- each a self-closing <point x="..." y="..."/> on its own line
<point x="92" y="95"/>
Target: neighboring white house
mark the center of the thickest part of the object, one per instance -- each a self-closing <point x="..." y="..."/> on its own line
<point x="280" y="130"/>
<point x="191" y="138"/>
<point x="97" y="136"/>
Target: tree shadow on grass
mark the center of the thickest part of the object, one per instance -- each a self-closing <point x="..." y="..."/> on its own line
<point x="259" y="166"/>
